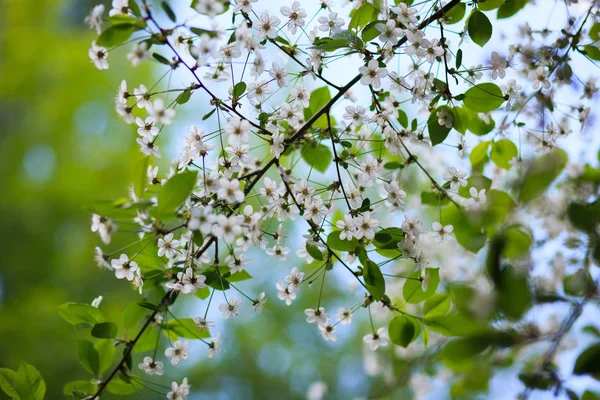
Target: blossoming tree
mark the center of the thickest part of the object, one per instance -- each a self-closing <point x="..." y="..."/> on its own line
<point x="443" y="190"/>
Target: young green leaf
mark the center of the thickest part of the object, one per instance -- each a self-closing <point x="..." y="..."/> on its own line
<point x="80" y="314"/>
<point x="480" y="28"/>
<point x="317" y="156"/>
<point x="105" y="330"/>
<point x="29" y="383"/>
<point x="374" y="279"/>
<point x="88" y="357"/>
<point x="484" y="97"/>
<point x="8" y="379"/>
<point x="106" y="353"/>
<point x="175" y="191"/>
<point x="402" y="330"/>
<point x="438" y="133"/>
<point x="412" y="291"/>
<point x="542" y="172"/>
<point x="116" y="35"/>
<point x="436" y="305"/>
<point x="503" y="151"/>
<point x="361" y="18"/>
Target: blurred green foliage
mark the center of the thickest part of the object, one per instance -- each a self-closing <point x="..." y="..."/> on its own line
<point x="61" y="146"/>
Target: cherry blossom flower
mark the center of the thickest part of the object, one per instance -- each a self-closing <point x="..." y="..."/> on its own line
<point x="285" y="293"/>
<point x="124" y="268"/>
<point x="215" y="346"/>
<point x="178" y="352"/>
<point x="94" y="19"/>
<point x="151" y="367"/>
<point x="331" y="23"/>
<point x="98" y="55"/>
<point x="372" y="74"/>
<point x="296" y="16"/>
<point x="442" y="232"/>
<point x="456" y="178"/>
<point x="267" y="26"/>
<point x="231" y="308"/>
<point x="377" y="340"/>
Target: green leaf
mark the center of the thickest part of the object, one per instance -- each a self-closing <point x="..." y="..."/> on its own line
<point x="452" y="324"/>
<point x="402" y="118"/>
<point x="88" y="356"/>
<point x="361" y="18"/>
<point x="314" y="252"/>
<point x="517" y="242"/>
<point x="487" y="5"/>
<point x="589" y="395"/>
<point x="317" y="156"/>
<point x="105" y="330"/>
<point x="175" y="191"/>
<point x="203" y="293"/>
<point x="318" y="99"/>
<point x="8" y="379"/>
<point x="480" y="28"/>
<point x="76" y="388"/>
<point x="119" y="386"/>
<point x="132" y="314"/>
<point x="116" y="35"/>
<point x="461" y="119"/>
<point x="579" y="284"/>
<point x="329" y="44"/>
<point x="498" y="205"/>
<point x="478" y="182"/>
<point x="29" y="383"/>
<point x="510" y="8"/>
<point x="169" y="11"/>
<point x="514" y="295"/>
<point x="106" y="353"/>
<point x="503" y="151"/>
<point x="161" y="59"/>
<point x="374" y="279"/>
<point x="412" y="290"/>
<point x="480" y="127"/>
<point x="437" y="132"/>
<point x="239" y="89"/>
<point x="464" y="349"/>
<point x="184" y="96"/>
<point x="187" y="328"/>
<point x="335" y="243"/>
<point x="371" y="32"/>
<point x="484" y="97"/>
<point x="479" y="153"/>
<point x="240" y="276"/>
<point x="542" y="172"/>
<point x="135" y="9"/>
<point x="388" y="238"/>
<point x="467" y="229"/>
<point x="587" y="362"/>
<point x="437" y="305"/>
<point x="147" y="341"/>
<point x="595" y="32"/>
<point x="585" y="217"/>
<point x="139" y="184"/>
<point x="434" y="199"/>
<point x="592" y="52"/>
<point x="455" y="14"/>
<point x="200" y="32"/>
<point x="402" y="330"/>
<point x="80" y="314"/>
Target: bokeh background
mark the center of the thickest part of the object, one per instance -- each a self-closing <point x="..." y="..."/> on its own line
<point x="62" y="147"/>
